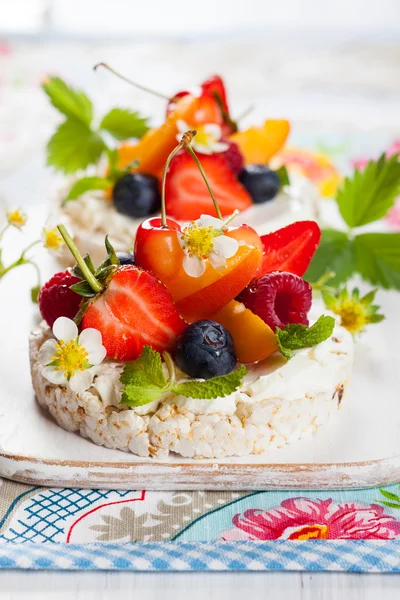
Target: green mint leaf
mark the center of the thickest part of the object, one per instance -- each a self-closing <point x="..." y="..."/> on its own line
<point x="147" y="368"/>
<point x="283" y="175"/>
<point x="71" y="102"/>
<point x="83" y="289"/>
<point x="217" y="387"/>
<point x="139" y="395"/>
<point x="35" y="293"/>
<point x="378" y="258"/>
<point x="369" y="194"/>
<point x="123" y="124"/>
<point x="85" y="185"/>
<point x="335" y="253"/>
<point x="295" y="337"/>
<point x="73" y="147"/>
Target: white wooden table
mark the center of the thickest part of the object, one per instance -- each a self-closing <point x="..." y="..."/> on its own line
<point x="326" y="88"/>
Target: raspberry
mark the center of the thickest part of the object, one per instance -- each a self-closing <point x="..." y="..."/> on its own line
<point x="233" y="157"/>
<point x="279" y="298"/>
<point x="57" y="300"/>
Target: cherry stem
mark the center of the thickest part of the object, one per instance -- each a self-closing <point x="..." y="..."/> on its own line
<point x="198" y="163"/>
<point x="185" y="143"/>
<point x="137" y="85"/>
<point x="88" y="275"/>
<point x="246" y="112"/>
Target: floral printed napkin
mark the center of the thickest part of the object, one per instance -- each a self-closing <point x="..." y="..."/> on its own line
<point x="139" y="530"/>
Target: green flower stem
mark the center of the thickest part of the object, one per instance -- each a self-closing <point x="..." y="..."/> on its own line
<point x="170" y="366"/>
<point x="198" y="163"/>
<point x="127" y="80"/>
<point x="35" y="243"/>
<point x="2" y="232"/>
<point x="164" y="178"/>
<point x="90" y="278"/>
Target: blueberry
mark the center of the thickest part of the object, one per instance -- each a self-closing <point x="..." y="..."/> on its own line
<point x="261" y="182"/>
<point x="205" y="349"/>
<point x="125" y="258"/>
<point x="137" y="195"/>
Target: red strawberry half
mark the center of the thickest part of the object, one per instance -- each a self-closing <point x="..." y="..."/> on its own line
<point x="135" y="310"/>
<point x="187" y="196"/>
<point x="291" y="248"/>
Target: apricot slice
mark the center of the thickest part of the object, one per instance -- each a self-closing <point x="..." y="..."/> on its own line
<point x="258" y="144"/>
<point x="153" y="149"/>
<point x="254" y="339"/>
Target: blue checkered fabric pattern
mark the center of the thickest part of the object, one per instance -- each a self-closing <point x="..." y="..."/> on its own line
<point x="317" y="555"/>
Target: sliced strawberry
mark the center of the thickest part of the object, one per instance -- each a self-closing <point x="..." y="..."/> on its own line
<point x="187" y="196"/>
<point x="291" y="248"/>
<point x="214" y="85"/>
<point x="135" y="310"/>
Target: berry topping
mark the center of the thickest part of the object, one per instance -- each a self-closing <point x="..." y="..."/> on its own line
<point x="279" y="298"/>
<point x="205" y="350"/>
<point x="135" y="310"/>
<point x="258" y="144"/>
<point x="187" y="196"/>
<point x="261" y="182"/>
<point x="125" y="258"/>
<point x="57" y="300"/>
<point x="233" y="157"/>
<point x="137" y="195"/>
<point x="290" y="248"/>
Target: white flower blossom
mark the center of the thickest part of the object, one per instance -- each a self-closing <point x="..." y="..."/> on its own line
<point x="207" y="139"/>
<point x="69" y="359"/>
<point x="204" y="239"/>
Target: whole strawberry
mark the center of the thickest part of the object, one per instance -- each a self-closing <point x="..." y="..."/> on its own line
<point x="56" y="299"/>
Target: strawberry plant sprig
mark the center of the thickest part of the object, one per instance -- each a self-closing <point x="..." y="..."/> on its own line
<point x="16" y="219"/>
<point x="78" y="143"/>
<point x="362" y="199"/>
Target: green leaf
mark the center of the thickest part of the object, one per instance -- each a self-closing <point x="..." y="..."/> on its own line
<point x="369" y="194"/>
<point x="83" y="289"/>
<point x="211" y="388"/>
<point x="335" y="253"/>
<point x="74" y="146"/>
<point x="123" y="124"/>
<point x="283" y="175"/>
<point x="295" y="337"/>
<point x="85" y="184"/>
<point x="105" y="272"/>
<point x="76" y="270"/>
<point x="146" y="369"/>
<point x="389" y="504"/>
<point x="71" y="102"/>
<point x="35" y="293"/>
<point x="378" y="258"/>
<point x="389" y="495"/>
<point x="111" y="252"/>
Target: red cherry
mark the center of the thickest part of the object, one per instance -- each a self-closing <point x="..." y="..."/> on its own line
<point x="157" y="248"/>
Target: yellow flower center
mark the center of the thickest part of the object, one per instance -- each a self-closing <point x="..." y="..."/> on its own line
<point x="352" y="315"/>
<point x="311" y="532"/>
<point x="203" y="137"/>
<point x="16" y="218"/>
<point x="198" y="240"/>
<point x="52" y="239"/>
<point x="70" y="358"/>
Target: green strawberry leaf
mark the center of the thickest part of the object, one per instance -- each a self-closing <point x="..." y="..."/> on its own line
<point x="369" y="194"/>
<point x="83" y="289"/>
<point x="85" y="185"/>
<point x="71" y="102"/>
<point x="378" y="258"/>
<point x="335" y="253"/>
<point x="283" y="175"/>
<point x="73" y="147"/>
<point x="123" y="124"/>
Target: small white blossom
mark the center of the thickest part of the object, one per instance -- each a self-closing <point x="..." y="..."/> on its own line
<point x="204" y="239"/>
<point x="69" y="359"/>
<point x="207" y="139"/>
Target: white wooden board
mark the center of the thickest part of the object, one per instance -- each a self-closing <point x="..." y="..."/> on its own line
<point x="359" y="447"/>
